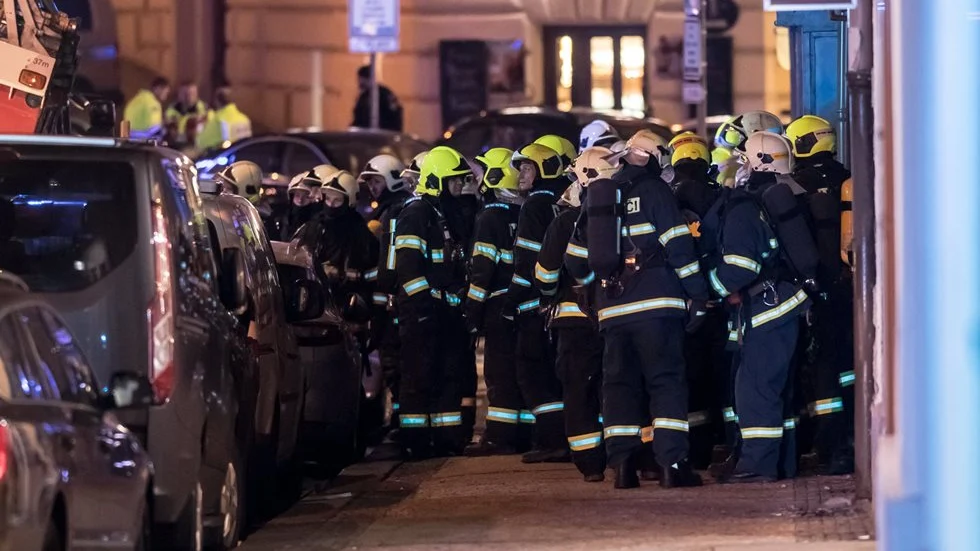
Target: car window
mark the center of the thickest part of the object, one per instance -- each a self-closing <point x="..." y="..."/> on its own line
<point x="66" y="224"/>
<point x="193" y="242"/>
<point x="16" y="378"/>
<point x="300" y="158"/>
<point x="352" y="151"/>
<point x="80" y="9"/>
<point x="408" y="148"/>
<point x="60" y="356"/>
<point x="39" y="381"/>
<point x="471" y="138"/>
<point x="266" y="154"/>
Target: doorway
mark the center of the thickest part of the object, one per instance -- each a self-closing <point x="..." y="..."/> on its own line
<point x="597" y="67"/>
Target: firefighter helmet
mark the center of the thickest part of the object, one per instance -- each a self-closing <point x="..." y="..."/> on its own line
<point x="304" y="188"/>
<point x="561" y="145"/>
<point x="547" y="160"/>
<point x="733" y="133"/>
<point x="572" y="197"/>
<point x="242" y="178"/>
<point x="498" y="172"/>
<point x="687" y="147"/>
<point x="594" y="163"/>
<point x="730" y="134"/>
<point x="413" y="171"/>
<point x="389" y="168"/>
<point x="811" y="135"/>
<point x="643" y="146"/>
<point x="769" y="152"/>
<point x="597" y="132"/>
<point x="440" y="163"/>
<point x="337" y="181"/>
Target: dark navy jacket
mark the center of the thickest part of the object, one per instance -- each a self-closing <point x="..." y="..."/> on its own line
<point x="492" y="258"/>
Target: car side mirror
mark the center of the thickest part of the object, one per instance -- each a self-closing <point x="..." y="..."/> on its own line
<point x="128" y="389"/>
<point x="305" y="300"/>
<point x="355" y="309"/>
<point x="231" y="284"/>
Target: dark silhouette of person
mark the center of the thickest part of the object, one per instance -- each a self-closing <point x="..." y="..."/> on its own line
<point x="390" y="112"/>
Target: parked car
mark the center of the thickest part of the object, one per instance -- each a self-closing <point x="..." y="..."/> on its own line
<point x="235" y="225"/>
<point x="342" y="394"/>
<point x="71" y="476"/>
<point x="113" y="234"/>
<point x="98" y="52"/>
<point x="514" y="127"/>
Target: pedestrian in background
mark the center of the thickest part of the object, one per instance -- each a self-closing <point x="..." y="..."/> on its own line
<point x="145" y="111"/>
<point x="390" y="112"/>
<point x="226" y="124"/>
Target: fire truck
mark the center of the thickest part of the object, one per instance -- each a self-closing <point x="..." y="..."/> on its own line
<point x="38" y="59"/>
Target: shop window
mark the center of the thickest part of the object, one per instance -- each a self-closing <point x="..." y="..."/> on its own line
<point x="602" y="57"/>
<point x="565" y="73"/>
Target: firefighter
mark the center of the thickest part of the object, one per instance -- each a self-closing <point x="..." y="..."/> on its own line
<point x="491" y="270"/>
<point x="428" y="271"/>
<point x="708" y="365"/>
<point x="748" y="270"/>
<point x="541" y="176"/>
<point x="564" y="147"/>
<point x="225" y="125"/>
<point x="572" y="319"/>
<point x="145" y="111"/>
<point x="831" y="401"/>
<point x="243" y="178"/>
<point x="597" y="132"/>
<point x="639" y="247"/>
<point x="305" y="201"/>
<point x="732" y="136"/>
<point x="412" y="172"/>
<point x="382" y="176"/>
<point x="186" y="116"/>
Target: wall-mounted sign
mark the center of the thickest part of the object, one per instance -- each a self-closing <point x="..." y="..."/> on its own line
<point x="808" y="5"/>
<point x="373" y="25"/>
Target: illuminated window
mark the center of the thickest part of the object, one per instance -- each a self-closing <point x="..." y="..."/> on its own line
<point x="602" y="72"/>
<point x="565" y="73"/>
<point x="782" y="47"/>
<point x="632" y="59"/>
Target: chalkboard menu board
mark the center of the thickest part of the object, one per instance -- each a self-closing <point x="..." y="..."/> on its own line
<point x="463" y="79"/>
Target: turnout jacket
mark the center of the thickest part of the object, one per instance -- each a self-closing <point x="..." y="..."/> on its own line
<point x="427" y="271"/>
<point x="554" y="281"/>
<point x="822" y="177"/>
<point x="653" y="227"/>
<point x="537" y="213"/>
<point x="491" y="258"/>
<point x="387" y="215"/>
<point x="348" y="245"/>
<point x="742" y="256"/>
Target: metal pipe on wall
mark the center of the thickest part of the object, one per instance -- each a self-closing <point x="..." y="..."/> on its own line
<point x="862" y="170"/>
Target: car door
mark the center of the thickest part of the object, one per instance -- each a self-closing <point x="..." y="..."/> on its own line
<point x="116" y="456"/>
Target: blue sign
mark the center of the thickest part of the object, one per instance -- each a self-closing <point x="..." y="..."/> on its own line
<point x="373" y="25"/>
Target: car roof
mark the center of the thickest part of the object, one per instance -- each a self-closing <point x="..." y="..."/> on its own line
<point x="60" y="141"/>
<point x="318" y="134"/>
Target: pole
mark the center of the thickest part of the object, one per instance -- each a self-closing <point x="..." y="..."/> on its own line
<point x="316" y="90"/>
<point x="375" y="114"/>
<point x="843" y="126"/>
<point x="863" y="177"/>
<point x="702" y="109"/>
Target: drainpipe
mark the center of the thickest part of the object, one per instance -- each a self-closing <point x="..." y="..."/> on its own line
<point x="862" y="171"/>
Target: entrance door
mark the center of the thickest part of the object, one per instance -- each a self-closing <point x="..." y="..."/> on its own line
<point x="598" y="67"/>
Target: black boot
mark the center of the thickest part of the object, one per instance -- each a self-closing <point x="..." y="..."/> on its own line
<point x="594" y="477"/>
<point x="679" y="475"/>
<point x="485" y="448"/>
<point x="547" y="455"/>
<point x="723" y="470"/>
<point x="748" y="478"/>
<point x="626" y="475"/>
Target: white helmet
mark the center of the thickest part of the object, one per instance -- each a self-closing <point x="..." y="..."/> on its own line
<point x="595" y="163"/>
<point x="646" y="144"/>
<point x="597" y="132"/>
<point x="769" y="152"/>
<point x="618" y="147"/>
<point x="304" y="188"/>
<point x="243" y="178"/>
<point x="760" y="121"/>
<point x="389" y="168"/>
<point x="414" y="170"/>
<point x="335" y="180"/>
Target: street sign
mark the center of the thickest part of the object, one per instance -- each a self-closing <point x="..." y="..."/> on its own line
<point x="693" y="69"/>
<point x="693" y="92"/>
<point x="808" y="5"/>
<point x="692" y="8"/>
<point x="373" y="25"/>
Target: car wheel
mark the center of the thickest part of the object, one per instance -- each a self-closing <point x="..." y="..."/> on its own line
<point x="232" y="505"/>
<point x="53" y="537"/>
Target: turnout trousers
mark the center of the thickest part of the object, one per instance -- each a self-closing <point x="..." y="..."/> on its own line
<point x="431" y="380"/>
<point x="705" y="357"/>
<point x="508" y="422"/>
<point x="389" y="354"/>
<point x="580" y="370"/>
<point x="539" y="383"/>
<point x="762" y="392"/>
<point x="645" y="354"/>
<point x="455" y="329"/>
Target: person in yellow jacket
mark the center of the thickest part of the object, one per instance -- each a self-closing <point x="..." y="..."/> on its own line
<point x="145" y="111"/>
<point x="226" y="123"/>
<point x="186" y="117"/>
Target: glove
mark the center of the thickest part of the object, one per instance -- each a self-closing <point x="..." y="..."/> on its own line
<point x="697" y="314"/>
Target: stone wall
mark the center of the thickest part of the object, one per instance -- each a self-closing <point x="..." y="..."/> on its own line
<point x="147" y="37"/>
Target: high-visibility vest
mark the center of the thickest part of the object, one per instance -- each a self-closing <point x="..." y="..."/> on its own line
<point x="199" y="112"/>
<point x="145" y="115"/>
<point x="225" y="126"/>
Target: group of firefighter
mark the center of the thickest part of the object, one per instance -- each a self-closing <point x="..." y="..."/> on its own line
<point x="654" y="307"/>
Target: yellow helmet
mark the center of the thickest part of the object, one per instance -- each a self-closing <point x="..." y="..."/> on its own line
<point x="810" y="135"/>
<point x="688" y="146"/>
<point x="498" y="172"/>
<point x="440" y="163"/>
<point x="564" y="147"/>
<point x="547" y="160"/>
<point x="730" y="134"/>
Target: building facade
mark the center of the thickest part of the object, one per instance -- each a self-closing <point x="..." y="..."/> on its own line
<point x="627" y="48"/>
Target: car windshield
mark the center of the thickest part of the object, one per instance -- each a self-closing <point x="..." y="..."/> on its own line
<point x="351" y="151"/>
<point x="65" y="225"/>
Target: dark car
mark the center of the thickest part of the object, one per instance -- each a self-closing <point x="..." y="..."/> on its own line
<point x="71" y="476"/>
<point x="514" y="127"/>
<point x="113" y="234"/>
<point x="282" y="156"/>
